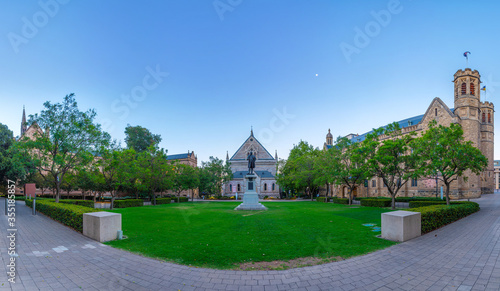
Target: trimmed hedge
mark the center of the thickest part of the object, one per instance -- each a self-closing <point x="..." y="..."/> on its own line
<point x="86" y="203"/>
<point x="340" y="200"/>
<point x="180" y="199"/>
<point x="415" y="204"/>
<point x="376" y="202"/>
<point x="128" y="203"/>
<point x="163" y="201"/>
<point x="322" y="199"/>
<point x="435" y="216"/>
<point x="67" y="214"/>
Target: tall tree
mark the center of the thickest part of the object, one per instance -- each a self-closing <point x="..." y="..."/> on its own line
<point x="186" y="178"/>
<point x="153" y="170"/>
<point x="447" y="153"/>
<point x="140" y="138"/>
<point x="12" y="166"/>
<point x="346" y="164"/>
<point x="69" y="142"/>
<point x="393" y="158"/>
<point x="214" y="174"/>
<point x="300" y="170"/>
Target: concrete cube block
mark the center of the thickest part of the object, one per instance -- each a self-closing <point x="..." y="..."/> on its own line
<point x="102" y="226"/>
<point x="401" y="225"/>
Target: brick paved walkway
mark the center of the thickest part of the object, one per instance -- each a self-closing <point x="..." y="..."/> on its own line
<point x="461" y="256"/>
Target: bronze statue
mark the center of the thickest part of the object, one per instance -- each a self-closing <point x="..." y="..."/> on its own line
<point x="251" y="162"/>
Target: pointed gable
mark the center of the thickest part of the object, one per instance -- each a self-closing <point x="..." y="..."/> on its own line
<point x="252" y="144"/>
<point x="438" y="111"/>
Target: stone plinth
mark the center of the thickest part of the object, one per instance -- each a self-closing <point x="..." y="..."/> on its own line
<point x="250" y="198"/>
<point x="102" y="226"/>
<point x="401" y="225"/>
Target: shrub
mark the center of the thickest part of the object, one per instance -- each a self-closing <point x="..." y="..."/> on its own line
<point x="163" y="201"/>
<point x="340" y="200"/>
<point x="410" y="199"/>
<point x="86" y="203"/>
<point x="376" y="202"/>
<point x="128" y="203"/>
<point x="435" y="216"/>
<point x="68" y="214"/>
<point x="415" y="204"/>
<point x="322" y="199"/>
<point x="183" y="199"/>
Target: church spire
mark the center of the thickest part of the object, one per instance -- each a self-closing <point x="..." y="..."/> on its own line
<point x="276" y="155"/>
<point x="251" y="130"/>
<point x="227" y="156"/>
<point x="23" y="123"/>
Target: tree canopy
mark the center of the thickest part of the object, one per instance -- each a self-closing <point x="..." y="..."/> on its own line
<point x="140" y="138"/>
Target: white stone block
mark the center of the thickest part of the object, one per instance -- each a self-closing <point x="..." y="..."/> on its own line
<point x="401" y="225"/>
<point x="102" y="226"/>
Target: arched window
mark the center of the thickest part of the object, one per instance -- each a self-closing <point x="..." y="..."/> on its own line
<point x="230" y="188"/>
<point x="265" y="187"/>
<point x="436" y="111"/>
<point x="472" y="91"/>
<point x="239" y="188"/>
<point x="484" y="117"/>
<point x="273" y="187"/>
<point x="489" y="117"/>
<point x="464" y="88"/>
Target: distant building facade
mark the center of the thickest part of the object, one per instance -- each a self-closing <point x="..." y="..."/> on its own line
<point x="189" y="159"/>
<point x="477" y="121"/>
<point x="265" y="169"/>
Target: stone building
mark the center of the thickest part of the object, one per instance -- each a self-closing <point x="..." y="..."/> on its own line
<point x="496" y="165"/>
<point x="265" y="169"/>
<point x="477" y="121"/>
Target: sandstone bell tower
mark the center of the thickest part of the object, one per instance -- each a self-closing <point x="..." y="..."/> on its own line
<point x="476" y="119"/>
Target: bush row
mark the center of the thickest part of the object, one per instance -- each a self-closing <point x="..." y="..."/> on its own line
<point x="402" y="199"/>
<point x="128" y="203"/>
<point x="180" y="199"/>
<point x="322" y="199"/>
<point x="163" y="201"/>
<point x="86" y="203"/>
<point x="435" y="216"/>
<point x="376" y="202"/>
<point x="340" y="200"/>
<point x="68" y="214"/>
<point x="415" y="204"/>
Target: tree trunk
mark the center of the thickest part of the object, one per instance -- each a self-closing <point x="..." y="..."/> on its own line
<point x="393" y="202"/>
<point x="154" y="197"/>
<point x="350" y="195"/>
<point x="447" y="193"/>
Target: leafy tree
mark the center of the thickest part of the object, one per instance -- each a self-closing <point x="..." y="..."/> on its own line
<point x="300" y="171"/>
<point x="153" y="169"/>
<point x="140" y="138"/>
<point x="186" y="178"/>
<point x="346" y="164"/>
<point x="447" y="153"/>
<point x="71" y="143"/>
<point x="12" y="165"/>
<point x="109" y="167"/>
<point x="86" y="180"/>
<point x="213" y="174"/>
<point x="392" y="159"/>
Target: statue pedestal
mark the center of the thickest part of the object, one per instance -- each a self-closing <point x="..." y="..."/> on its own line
<point x="250" y="198"/>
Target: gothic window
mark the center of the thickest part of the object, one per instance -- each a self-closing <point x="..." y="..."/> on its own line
<point x="414" y="182"/>
<point x="436" y="111"/>
<point x="472" y="89"/>
<point x="489" y="117"/>
<point x="239" y="188"/>
<point x="374" y="183"/>
<point x="464" y="88"/>
<point x="484" y="117"/>
<point x="230" y="188"/>
<point x="273" y="187"/>
<point x="265" y="187"/>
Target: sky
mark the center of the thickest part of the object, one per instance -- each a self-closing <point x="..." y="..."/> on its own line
<point x="203" y="73"/>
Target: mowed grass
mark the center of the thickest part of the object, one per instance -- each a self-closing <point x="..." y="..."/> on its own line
<point x="214" y="235"/>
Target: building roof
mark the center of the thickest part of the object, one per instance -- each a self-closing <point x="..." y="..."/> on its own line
<point x="233" y="158"/>
<point x="261" y="174"/>
<point x="178" y="156"/>
<point x="402" y="123"/>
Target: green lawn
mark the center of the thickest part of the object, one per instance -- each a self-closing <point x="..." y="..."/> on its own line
<point x="213" y="235"/>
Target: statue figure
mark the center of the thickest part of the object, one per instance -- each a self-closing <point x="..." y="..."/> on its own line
<point x="251" y="162"/>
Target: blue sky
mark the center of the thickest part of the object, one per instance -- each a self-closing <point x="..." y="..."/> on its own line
<point x="201" y="73"/>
